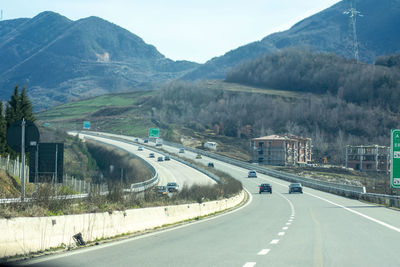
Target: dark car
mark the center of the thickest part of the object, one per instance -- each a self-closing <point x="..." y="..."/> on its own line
<point x="211" y="165"/>
<point x="167" y="158"/>
<point x="162" y="190"/>
<point x="295" y="187"/>
<point x="145" y="140"/>
<point x="140" y="148"/>
<point x="160" y="159"/>
<point x="265" y="188"/>
<point x="252" y="174"/>
<point x="181" y="150"/>
<point x="151" y="155"/>
<point x="172" y="187"/>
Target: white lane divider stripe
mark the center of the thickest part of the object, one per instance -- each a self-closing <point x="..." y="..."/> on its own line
<point x="281" y="233"/>
<point x="358" y="213"/>
<point x="275" y="241"/>
<point x="249" y="264"/>
<point x="263" y="252"/>
<point x="285" y="228"/>
<point x="288" y="223"/>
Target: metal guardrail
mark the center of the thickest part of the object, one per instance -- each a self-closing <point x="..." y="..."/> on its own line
<point x="350" y="191"/>
<point x="128" y="140"/>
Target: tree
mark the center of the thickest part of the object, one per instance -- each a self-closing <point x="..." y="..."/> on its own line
<point x="19" y="107"/>
<point x="3" y="130"/>
<point x="13" y="110"/>
<point x="26" y="107"/>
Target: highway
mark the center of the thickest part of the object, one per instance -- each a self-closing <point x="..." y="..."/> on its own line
<point x="168" y="171"/>
<point x="310" y="229"/>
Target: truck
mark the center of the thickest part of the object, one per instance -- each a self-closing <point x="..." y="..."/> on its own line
<point x="159" y="142"/>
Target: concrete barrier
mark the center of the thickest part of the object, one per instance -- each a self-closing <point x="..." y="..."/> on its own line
<point x="23" y="235"/>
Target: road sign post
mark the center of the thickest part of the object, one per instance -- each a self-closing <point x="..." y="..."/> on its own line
<point x="395" y="159"/>
<point x="86" y="125"/>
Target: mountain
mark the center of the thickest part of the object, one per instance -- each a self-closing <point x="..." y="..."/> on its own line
<point x="329" y="30"/>
<point x="60" y="60"/>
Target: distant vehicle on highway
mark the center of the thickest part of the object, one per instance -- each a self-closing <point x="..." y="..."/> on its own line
<point x="160" y="159"/>
<point x="252" y="174"/>
<point x="136" y="140"/>
<point x="211" y="165"/>
<point x="295" y="187"/>
<point x="181" y="150"/>
<point x="159" y="142"/>
<point x="265" y="188"/>
<point x="172" y="187"/>
<point x="167" y="158"/>
<point x="198" y="156"/>
<point x="151" y="155"/>
<point x="140" y="148"/>
<point x="162" y="190"/>
<point x="145" y="140"/>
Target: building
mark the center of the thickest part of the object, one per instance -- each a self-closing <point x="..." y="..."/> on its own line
<point x="368" y="158"/>
<point x="282" y="150"/>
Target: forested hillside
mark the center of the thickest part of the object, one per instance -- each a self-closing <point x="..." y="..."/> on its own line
<point x="305" y="71"/>
<point x="330" y="121"/>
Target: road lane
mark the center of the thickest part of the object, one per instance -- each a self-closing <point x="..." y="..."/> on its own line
<point x="310" y="229"/>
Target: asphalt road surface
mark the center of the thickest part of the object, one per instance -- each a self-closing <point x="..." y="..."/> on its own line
<point x="278" y="229"/>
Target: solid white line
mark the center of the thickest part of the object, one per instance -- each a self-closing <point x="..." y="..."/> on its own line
<point x="281" y="233"/>
<point x="263" y="252"/>
<point x="359" y="213"/>
<point x="275" y="241"/>
<point x="249" y="264"/>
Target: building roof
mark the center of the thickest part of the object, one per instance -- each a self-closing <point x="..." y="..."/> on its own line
<point x="270" y="138"/>
<point x="275" y="137"/>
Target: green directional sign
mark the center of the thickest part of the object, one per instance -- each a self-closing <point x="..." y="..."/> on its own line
<point x="86" y="125"/>
<point x="154" y="132"/>
<point x="395" y="159"/>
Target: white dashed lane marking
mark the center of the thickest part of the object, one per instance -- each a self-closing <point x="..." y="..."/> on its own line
<point x="264" y="252"/>
<point x="281" y="233"/>
<point x="275" y="241"/>
<point x="285" y="228"/>
<point x="249" y="264"/>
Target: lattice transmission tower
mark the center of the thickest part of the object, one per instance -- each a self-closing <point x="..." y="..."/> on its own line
<point x="353" y="13"/>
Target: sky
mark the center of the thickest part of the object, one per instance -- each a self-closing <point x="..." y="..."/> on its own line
<point x="195" y="30"/>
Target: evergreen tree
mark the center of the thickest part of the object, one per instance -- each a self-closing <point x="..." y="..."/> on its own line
<point x="3" y="130"/>
<point x="13" y="110"/>
<point x="26" y="107"/>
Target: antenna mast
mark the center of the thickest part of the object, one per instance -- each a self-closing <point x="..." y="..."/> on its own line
<point x="353" y="13"/>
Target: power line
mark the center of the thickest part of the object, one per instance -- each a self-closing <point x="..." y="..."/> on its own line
<point x="354" y="13"/>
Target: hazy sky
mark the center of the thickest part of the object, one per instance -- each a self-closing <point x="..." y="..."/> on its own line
<point x="195" y="30"/>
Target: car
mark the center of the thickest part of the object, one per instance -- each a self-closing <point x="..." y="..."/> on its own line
<point x="167" y="158"/>
<point x="198" y="156"/>
<point x="265" y="188"/>
<point x="172" y="187"/>
<point x="252" y="174"/>
<point x="162" y="190"/>
<point x="145" y="140"/>
<point x="211" y="165"/>
<point x="140" y="148"/>
<point x="136" y="140"/>
<point x="295" y="187"/>
<point x="181" y="150"/>
<point x="151" y="155"/>
<point x="160" y="159"/>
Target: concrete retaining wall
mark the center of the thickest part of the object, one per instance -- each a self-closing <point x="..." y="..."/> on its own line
<point x="25" y="234"/>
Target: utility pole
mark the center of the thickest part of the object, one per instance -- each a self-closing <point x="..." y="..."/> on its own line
<point x="1" y="15"/>
<point x="353" y="13"/>
<point x="23" y="159"/>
